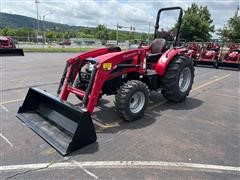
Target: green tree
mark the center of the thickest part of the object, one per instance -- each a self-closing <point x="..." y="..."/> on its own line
<point x="101" y="32"/>
<point x="51" y="35"/>
<point x="112" y="35"/>
<point x="7" y="31"/>
<point x="22" y="32"/>
<point x="231" y="31"/>
<point x="197" y="23"/>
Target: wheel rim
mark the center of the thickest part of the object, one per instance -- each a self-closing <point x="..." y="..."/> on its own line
<point x="185" y="79"/>
<point x="137" y="102"/>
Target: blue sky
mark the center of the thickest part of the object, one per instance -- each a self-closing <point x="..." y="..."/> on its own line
<point x="110" y="12"/>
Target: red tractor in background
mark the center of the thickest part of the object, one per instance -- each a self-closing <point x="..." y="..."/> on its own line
<point x="231" y="58"/>
<point x="193" y="50"/>
<point x="8" y="47"/>
<point x="209" y="55"/>
<point x="129" y="75"/>
<point x="7" y="42"/>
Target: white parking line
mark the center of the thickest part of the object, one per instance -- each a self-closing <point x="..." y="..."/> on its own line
<point x="11" y="101"/>
<point x="5" y="109"/>
<point x="120" y="165"/>
<point x="2" y="136"/>
<point x="85" y="170"/>
<point x="210" y="82"/>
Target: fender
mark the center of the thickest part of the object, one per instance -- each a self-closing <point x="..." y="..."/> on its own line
<point x="165" y="59"/>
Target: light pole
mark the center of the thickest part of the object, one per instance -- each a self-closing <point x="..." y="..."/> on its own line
<point x="237" y="9"/>
<point x="44" y="35"/>
<point x="37" y="2"/>
<point x="149" y="24"/>
<point x="117" y="34"/>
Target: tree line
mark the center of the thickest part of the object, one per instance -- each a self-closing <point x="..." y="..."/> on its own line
<point x="197" y="25"/>
<point x="100" y="32"/>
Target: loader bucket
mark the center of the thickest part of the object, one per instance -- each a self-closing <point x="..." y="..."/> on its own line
<point x="62" y="125"/>
<point x="11" y="52"/>
<point x="204" y="63"/>
<point x="229" y="65"/>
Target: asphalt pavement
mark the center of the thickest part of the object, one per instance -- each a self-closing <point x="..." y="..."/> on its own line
<point x="195" y="139"/>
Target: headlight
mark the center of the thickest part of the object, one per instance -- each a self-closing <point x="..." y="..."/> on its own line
<point x="90" y="67"/>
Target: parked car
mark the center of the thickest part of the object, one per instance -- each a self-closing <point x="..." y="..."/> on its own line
<point x="65" y="42"/>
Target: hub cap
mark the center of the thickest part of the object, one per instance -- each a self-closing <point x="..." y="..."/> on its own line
<point x="185" y="79"/>
<point x="137" y="102"/>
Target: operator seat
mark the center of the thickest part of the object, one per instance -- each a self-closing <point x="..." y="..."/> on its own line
<point x="156" y="50"/>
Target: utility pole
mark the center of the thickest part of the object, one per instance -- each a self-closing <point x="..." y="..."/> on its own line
<point x="44" y="34"/>
<point x="237" y="10"/>
<point x="149" y="23"/>
<point x="120" y="27"/>
<point x="117" y="34"/>
<point x="37" y="2"/>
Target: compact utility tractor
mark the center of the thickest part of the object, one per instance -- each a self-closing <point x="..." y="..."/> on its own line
<point x="8" y="47"/>
<point x="209" y="55"/>
<point x="231" y="58"/>
<point x="129" y="75"/>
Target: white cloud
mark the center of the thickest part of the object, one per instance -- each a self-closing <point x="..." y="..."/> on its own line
<point x="127" y="13"/>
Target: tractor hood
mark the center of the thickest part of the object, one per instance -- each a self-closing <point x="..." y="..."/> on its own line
<point x="119" y="55"/>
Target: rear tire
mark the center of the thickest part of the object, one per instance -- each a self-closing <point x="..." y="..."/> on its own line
<point x="131" y="100"/>
<point x="178" y="79"/>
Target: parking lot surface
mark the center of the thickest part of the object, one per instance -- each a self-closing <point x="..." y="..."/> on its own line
<point x="195" y="139"/>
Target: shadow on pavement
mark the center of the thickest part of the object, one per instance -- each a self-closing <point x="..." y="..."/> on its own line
<point x="109" y="115"/>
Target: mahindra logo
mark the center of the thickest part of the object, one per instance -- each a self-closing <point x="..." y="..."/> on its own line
<point x="131" y="54"/>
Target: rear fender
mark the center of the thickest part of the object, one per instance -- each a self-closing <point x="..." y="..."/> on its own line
<point x="165" y="59"/>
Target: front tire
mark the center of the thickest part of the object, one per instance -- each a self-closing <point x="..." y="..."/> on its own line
<point x="132" y="99"/>
<point x="215" y="64"/>
<point x="178" y="79"/>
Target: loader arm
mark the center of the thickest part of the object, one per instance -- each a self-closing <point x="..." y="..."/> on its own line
<point x="120" y="63"/>
<point x="72" y="68"/>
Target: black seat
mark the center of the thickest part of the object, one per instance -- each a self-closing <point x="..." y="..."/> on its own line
<point x="214" y="49"/>
<point x="157" y="46"/>
<point x="236" y="50"/>
<point x="156" y="49"/>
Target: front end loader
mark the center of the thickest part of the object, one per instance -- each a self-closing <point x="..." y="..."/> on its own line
<point x="231" y="59"/>
<point x="209" y="55"/>
<point x="129" y="75"/>
<point x="8" y="48"/>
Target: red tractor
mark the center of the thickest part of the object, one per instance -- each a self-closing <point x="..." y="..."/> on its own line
<point x="193" y="50"/>
<point x="231" y="58"/>
<point x="209" y="55"/>
<point x="8" y="48"/>
<point x="6" y="42"/>
<point x="129" y="75"/>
